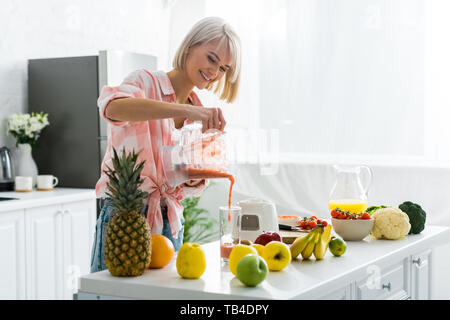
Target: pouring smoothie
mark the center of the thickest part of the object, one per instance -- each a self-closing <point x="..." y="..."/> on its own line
<point x="212" y="174"/>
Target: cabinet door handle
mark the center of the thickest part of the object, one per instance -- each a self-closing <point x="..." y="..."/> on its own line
<point x="417" y="262"/>
<point x="386" y="286"/>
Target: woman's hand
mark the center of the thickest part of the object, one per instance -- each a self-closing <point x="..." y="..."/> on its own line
<point x="211" y="118"/>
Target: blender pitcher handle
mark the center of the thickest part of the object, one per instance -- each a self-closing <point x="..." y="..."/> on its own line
<point x="369" y="183"/>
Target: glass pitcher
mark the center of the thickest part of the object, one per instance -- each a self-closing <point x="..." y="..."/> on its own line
<point x="195" y="155"/>
<point x="348" y="193"/>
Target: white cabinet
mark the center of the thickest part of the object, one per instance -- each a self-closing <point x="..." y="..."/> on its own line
<point x="384" y="283"/>
<point x="344" y="293"/>
<point x="409" y="278"/>
<point x="59" y="242"/>
<point x="12" y="255"/>
<point x="421" y="276"/>
<point x="46" y="247"/>
<point x="78" y="225"/>
<point x="44" y="235"/>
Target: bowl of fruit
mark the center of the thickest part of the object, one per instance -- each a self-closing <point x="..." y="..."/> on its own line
<point x="351" y="226"/>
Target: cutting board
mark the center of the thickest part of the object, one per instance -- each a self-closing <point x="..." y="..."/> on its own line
<point x="288" y="237"/>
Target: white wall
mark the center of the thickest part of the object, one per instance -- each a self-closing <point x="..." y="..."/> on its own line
<point x="58" y="28"/>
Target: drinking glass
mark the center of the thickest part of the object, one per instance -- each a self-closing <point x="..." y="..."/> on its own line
<point x="229" y="218"/>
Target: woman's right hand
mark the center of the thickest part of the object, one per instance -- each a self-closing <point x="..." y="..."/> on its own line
<point x="211" y="118"/>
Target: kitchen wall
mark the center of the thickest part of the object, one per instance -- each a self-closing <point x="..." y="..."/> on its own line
<point x="58" y="28"/>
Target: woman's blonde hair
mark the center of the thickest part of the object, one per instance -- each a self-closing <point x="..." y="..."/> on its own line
<point x="204" y="31"/>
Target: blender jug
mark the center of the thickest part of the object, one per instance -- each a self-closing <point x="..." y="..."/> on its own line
<point x="195" y="155"/>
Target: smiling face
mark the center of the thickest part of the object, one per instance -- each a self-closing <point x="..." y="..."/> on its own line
<point x="207" y="63"/>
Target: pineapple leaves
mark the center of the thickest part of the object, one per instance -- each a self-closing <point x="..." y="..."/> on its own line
<point x="124" y="181"/>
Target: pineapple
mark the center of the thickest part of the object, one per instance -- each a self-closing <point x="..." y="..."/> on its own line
<point x="128" y="239"/>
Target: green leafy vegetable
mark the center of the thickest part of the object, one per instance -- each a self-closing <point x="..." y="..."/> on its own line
<point x="372" y="209"/>
<point x="417" y="216"/>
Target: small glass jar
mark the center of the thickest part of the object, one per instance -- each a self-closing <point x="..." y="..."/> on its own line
<point x="229" y="220"/>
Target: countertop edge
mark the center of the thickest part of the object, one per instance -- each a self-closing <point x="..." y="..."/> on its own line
<point x="78" y="194"/>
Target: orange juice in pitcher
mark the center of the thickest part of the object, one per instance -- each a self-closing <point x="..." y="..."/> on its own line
<point x="350" y="205"/>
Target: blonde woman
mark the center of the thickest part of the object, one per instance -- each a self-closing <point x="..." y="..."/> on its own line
<point x="144" y="110"/>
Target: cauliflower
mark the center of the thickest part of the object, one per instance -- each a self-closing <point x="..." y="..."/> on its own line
<point x="390" y="223"/>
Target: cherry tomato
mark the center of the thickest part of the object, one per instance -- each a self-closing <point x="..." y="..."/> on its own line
<point x="324" y="223"/>
<point x="303" y="224"/>
<point x="365" y="216"/>
<point x="313" y="217"/>
<point x="312" y="224"/>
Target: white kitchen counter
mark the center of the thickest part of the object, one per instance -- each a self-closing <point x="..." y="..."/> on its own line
<point x="42" y="198"/>
<point x="300" y="280"/>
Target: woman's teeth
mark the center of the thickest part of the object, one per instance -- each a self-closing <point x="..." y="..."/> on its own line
<point x="204" y="76"/>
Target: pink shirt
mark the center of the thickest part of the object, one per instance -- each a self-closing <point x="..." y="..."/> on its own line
<point x="148" y="136"/>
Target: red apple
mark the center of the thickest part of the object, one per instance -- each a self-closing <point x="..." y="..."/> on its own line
<point x="266" y="237"/>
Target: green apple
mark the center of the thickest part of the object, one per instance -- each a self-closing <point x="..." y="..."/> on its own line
<point x="277" y="255"/>
<point x="252" y="270"/>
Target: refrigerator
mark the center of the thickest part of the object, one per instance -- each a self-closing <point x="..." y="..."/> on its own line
<point x="72" y="147"/>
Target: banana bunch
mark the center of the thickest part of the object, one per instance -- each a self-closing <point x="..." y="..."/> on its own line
<point x="316" y="242"/>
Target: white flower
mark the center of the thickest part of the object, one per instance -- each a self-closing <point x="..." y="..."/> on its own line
<point x="27" y="126"/>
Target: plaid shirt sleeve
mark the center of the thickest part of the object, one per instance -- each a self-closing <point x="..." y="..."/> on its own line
<point x="131" y="87"/>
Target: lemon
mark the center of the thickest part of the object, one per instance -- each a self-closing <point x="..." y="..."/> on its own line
<point x="337" y="247"/>
<point x="191" y="262"/>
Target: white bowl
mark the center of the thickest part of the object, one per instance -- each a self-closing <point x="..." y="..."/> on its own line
<point x="352" y="230"/>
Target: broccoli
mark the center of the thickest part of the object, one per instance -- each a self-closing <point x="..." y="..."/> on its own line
<point x="416" y="214"/>
<point x="372" y="209"/>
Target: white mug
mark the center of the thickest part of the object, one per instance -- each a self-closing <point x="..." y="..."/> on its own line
<point x="46" y="182"/>
<point x="23" y="184"/>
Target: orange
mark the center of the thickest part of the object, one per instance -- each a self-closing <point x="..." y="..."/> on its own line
<point x="162" y="251"/>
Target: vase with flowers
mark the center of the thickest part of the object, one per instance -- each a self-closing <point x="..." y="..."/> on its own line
<point x="26" y="128"/>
